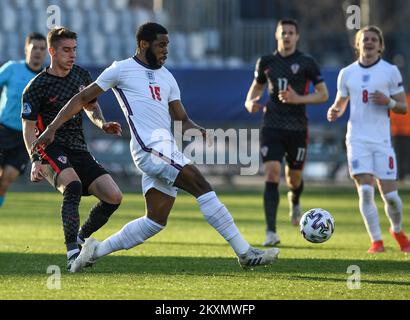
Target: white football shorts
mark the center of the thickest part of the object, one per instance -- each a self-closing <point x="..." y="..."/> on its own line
<point x="374" y="159"/>
<point x="160" y="164"/>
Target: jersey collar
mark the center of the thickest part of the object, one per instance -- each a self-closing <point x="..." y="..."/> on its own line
<point x="276" y="53"/>
<point x="370" y="65"/>
<point x="144" y="64"/>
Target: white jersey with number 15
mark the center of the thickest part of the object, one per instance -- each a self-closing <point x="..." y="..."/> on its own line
<point x="143" y="94"/>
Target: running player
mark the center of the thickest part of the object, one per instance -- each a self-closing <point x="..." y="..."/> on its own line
<point x="149" y="96"/>
<point x="374" y="88"/>
<point x="14" y="76"/>
<point x="287" y="72"/>
<point x="66" y="163"/>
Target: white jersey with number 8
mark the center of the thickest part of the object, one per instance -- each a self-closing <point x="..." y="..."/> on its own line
<point x="369" y="122"/>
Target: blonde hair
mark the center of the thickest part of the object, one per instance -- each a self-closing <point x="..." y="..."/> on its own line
<point x="374" y="29"/>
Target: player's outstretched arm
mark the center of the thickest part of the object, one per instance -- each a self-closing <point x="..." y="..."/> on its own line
<point x="254" y="95"/>
<point x="338" y="108"/>
<point x="74" y="106"/>
<point x="95" y="114"/>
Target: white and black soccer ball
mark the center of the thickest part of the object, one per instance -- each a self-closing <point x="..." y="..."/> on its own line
<point x="317" y="225"/>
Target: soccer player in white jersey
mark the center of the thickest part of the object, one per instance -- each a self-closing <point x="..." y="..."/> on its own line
<point x="374" y="88"/>
<point x="149" y="97"/>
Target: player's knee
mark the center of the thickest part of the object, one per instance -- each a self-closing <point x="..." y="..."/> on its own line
<point x="193" y="181"/>
<point x="392" y="198"/>
<point x="199" y="186"/>
<point x="203" y="185"/>
<point x="272" y="175"/>
<point x="366" y="193"/>
<point x="294" y="182"/>
<point x="74" y="188"/>
<point x="115" y="197"/>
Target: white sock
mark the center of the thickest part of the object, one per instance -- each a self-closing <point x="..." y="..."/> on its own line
<point x="369" y="211"/>
<point x="131" y="235"/>
<point x="219" y="217"/>
<point x="394" y="210"/>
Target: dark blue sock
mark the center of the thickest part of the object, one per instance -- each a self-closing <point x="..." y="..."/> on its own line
<point x="271" y="203"/>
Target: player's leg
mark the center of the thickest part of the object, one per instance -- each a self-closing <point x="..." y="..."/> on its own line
<point x="217" y="215"/>
<point x="8" y="176"/>
<point x="272" y="172"/>
<point x="294" y="180"/>
<point x="136" y="232"/>
<point x="362" y="169"/>
<point x="105" y="189"/>
<point x="272" y="152"/>
<point x="59" y="173"/>
<point x="69" y="184"/>
<point x="368" y="209"/>
<point x="393" y="205"/>
<point x="96" y="181"/>
<point x="386" y="171"/>
<point x="165" y="168"/>
<point x="13" y="162"/>
<point x="296" y="151"/>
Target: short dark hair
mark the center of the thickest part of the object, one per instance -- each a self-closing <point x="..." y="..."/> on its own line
<point x="148" y="32"/>
<point x="59" y="33"/>
<point x="290" y="21"/>
<point x="34" y="36"/>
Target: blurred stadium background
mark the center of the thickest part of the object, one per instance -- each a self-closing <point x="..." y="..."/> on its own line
<point x="213" y="50"/>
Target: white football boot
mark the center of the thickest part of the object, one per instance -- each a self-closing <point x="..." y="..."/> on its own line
<point x="85" y="258"/>
<point x="256" y="257"/>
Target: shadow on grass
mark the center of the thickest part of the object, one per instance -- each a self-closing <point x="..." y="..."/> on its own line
<point x="330" y="279"/>
<point x="29" y="264"/>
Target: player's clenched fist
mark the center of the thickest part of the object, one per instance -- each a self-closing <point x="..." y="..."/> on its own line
<point x="36" y="174"/>
<point x="252" y="105"/>
<point x="333" y="113"/>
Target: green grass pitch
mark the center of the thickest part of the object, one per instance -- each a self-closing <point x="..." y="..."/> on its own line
<point x="189" y="260"/>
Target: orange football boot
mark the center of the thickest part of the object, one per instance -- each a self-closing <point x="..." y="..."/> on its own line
<point x="377" y="247"/>
<point x="401" y="239"/>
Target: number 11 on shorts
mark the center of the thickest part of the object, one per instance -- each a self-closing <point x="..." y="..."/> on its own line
<point x="301" y="154"/>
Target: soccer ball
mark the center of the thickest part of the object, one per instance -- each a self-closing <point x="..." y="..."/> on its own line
<point x="317" y="225"/>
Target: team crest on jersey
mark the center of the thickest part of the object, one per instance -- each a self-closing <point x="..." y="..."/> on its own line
<point x="264" y="151"/>
<point x="150" y="76"/>
<point x="62" y="159"/>
<point x="366" y="77"/>
<point x="295" y="68"/>
<point x="26" y="109"/>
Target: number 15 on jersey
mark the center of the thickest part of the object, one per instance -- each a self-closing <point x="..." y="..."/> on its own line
<point x="155" y="92"/>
